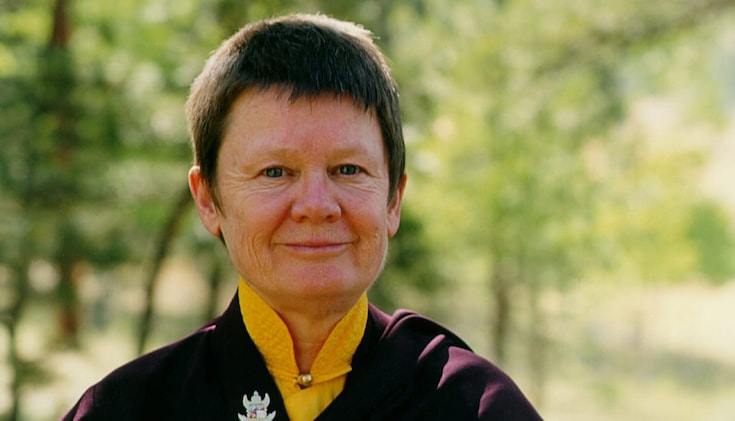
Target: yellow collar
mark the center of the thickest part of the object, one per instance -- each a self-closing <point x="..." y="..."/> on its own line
<point x="273" y="340"/>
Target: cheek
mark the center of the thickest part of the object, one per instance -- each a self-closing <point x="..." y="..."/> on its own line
<point x="247" y="249"/>
<point x="373" y="228"/>
<point x="372" y="258"/>
<point x="242" y="232"/>
<point x="248" y="234"/>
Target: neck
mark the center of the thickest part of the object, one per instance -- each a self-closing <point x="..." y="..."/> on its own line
<point x="308" y="335"/>
<point x="309" y="323"/>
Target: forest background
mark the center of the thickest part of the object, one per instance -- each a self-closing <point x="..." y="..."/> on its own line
<point x="570" y="208"/>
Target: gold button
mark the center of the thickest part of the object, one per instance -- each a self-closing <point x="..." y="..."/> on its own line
<point x="304" y="380"/>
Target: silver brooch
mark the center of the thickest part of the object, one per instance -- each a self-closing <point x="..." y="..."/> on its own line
<point x="256" y="408"/>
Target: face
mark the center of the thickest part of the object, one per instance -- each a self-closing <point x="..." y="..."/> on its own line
<point x="303" y="192"/>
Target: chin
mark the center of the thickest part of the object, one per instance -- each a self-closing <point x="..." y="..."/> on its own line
<point x="331" y="288"/>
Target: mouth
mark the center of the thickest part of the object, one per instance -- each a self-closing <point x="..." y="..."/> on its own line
<point x="317" y="248"/>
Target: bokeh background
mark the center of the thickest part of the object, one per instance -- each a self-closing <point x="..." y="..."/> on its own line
<point x="570" y="209"/>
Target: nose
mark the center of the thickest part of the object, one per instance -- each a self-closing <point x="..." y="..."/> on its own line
<point x="315" y="200"/>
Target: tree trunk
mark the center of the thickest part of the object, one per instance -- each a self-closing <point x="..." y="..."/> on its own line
<point x="58" y="82"/>
<point x="537" y="347"/>
<point x="166" y="236"/>
<point x="215" y="278"/>
<point x="500" y="287"/>
<point x="20" y="274"/>
<point x="66" y="293"/>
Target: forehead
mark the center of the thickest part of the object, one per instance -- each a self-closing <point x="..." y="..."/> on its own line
<point x="273" y="114"/>
<point x="283" y="97"/>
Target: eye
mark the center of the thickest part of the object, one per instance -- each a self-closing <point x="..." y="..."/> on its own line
<point x="273" y="172"/>
<point x="348" y="169"/>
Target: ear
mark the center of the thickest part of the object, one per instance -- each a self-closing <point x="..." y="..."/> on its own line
<point x="206" y="207"/>
<point x="394" y="208"/>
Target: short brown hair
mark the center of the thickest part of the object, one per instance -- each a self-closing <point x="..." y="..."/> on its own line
<point x="308" y="55"/>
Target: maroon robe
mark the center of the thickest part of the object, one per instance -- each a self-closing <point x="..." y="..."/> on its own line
<point x="405" y="368"/>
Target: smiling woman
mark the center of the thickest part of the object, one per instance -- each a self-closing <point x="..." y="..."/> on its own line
<point x="304" y="206"/>
<point x="299" y="169"/>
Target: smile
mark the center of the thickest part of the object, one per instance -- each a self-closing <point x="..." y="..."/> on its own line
<point x="316" y="248"/>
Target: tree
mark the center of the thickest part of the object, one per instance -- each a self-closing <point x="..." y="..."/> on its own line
<point x="519" y="105"/>
<point x="533" y="163"/>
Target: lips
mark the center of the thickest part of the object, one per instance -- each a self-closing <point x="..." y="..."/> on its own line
<point x="317" y="247"/>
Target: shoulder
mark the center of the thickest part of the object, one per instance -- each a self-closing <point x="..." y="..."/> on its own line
<point x="435" y="345"/>
<point x="135" y="388"/>
<point x="450" y="373"/>
<point x="157" y="366"/>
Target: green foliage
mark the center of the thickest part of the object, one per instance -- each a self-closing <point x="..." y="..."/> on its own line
<point x="549" y="142"/>
<point x="711" y="233"/>
<point x="410" y="269"/>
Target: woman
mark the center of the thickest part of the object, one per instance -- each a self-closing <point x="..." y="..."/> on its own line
<point x="299" y="170"/>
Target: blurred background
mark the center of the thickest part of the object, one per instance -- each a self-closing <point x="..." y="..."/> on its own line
<point x="570" y="208"/>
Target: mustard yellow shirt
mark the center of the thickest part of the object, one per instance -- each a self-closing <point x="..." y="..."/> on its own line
<point x="330" y="368"/>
